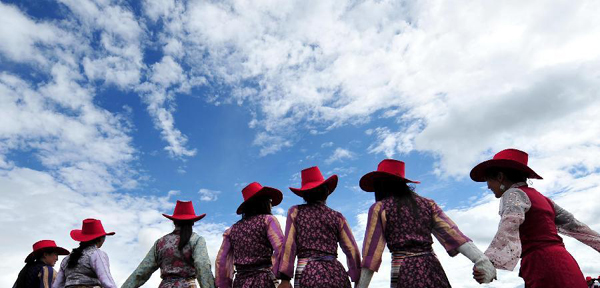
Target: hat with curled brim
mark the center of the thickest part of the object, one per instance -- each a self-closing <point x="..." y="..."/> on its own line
<point x="312" y="178"/>
<point x="388" y="168"/>
<point x="254" y="190"/>
<point x="508" y="158"/>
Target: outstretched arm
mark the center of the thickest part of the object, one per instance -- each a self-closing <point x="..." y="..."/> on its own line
<point x="143" y="272"/>
<point x="568" y="225"/>
<point x="224" y="264"/>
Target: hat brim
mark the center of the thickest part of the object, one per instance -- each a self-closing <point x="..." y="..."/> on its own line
<point x="77" y="235"/>
<point x="57" y="250"/>
<point x="366" y="182"/>
<point x="185" y="217"/>
<point x="331" y="183"/>
<point x="275" y="195"/>
<point x="478" y="172"/>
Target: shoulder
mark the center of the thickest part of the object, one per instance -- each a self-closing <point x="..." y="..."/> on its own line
<point x="270" y="219"/>
<point x="293" y="210"/>
<point x="377" y="206"/>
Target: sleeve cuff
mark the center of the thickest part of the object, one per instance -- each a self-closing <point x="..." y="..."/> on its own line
<point x="369" y="263"/>
<point x="354" y="274"/>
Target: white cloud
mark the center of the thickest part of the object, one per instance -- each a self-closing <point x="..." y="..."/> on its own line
<point x="339" y="154"/>
<point x="208" y="195"/>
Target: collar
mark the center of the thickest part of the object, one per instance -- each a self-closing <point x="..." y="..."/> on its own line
<point x="518" y="184"/>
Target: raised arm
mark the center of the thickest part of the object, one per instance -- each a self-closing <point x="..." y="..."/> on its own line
<point x="224" y="263"/>
<point x="505" y="249"/>
<point x="349" y="247"/>
<point x="568" y="225"/>
<point x="446" y="231"/>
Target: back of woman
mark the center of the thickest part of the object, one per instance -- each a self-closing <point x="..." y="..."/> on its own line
<point x="175" y="265"/>
<point x="250" y="243"/>
<point x="318" y="229"/>
<point x="410" y="230"/>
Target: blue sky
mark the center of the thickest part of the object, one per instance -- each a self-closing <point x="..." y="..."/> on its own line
<point x="115" y="109"/>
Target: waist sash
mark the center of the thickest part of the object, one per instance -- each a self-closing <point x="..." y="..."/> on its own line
<point x="302" y="262"/>
<point x="397" y="259"/>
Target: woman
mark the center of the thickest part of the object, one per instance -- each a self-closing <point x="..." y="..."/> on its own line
<point x="181" y="255"/>
<point x="405" y="221"/>
<point x="312" y="233"/>
<point x="87" y="265"/>
<point x="529" y="225"/>
<point x="252" y="243"/>
<point x="38" y="270"/>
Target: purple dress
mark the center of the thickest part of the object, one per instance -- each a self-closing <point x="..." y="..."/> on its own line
<point x="252" y="245"/>
<point x="409" y="239"/>
<point x="313" y="233"/>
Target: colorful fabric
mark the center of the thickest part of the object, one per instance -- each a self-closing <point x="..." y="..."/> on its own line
<point x="251" y="245"/>
<point x="177" y="268"/>
<point x="402" y="231"/>
<point x="325" y="271"/>
<point x="315" y="231"/>
<point x="39" y="274"/>
<point x="93" y="269"/>
<point x="417" y="270"/>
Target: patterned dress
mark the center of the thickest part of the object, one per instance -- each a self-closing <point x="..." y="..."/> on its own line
<point x="178" y="269"/>
<point x="312" y="233"/>
<point x="528" y="229"/>
<point x="409" y="239"/>
<point x="252" y="245"/>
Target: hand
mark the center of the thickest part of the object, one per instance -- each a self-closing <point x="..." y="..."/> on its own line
<point x="478" y="275"/>
<point x="285" y="284"/>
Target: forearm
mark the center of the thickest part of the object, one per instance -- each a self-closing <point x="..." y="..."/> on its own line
<point x="365" y="278"/>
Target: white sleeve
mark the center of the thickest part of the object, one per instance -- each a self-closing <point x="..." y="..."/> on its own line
<point x="505" y="249"/>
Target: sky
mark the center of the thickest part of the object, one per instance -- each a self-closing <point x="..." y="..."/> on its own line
<point x="116" y="109"/>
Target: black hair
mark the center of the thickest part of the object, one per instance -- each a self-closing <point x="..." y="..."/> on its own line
<point x="512" y="175"/>
<point x="316" y="195"/>
<point x="78" y="252"/>
<point x="403" y="194"/>
<point x="256" y="206"/>
<point x="185" y="232"/>
<point x="22" y="278"/>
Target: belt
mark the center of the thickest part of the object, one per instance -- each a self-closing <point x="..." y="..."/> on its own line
<point x="407" y="254"/>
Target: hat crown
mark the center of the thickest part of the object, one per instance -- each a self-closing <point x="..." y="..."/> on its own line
<point x="312" y="174"/>
<point x="512" y="154"/>
<point x="43" y="244"/>
<point x="92" y="226"/>
<point x="184" y="208"/>
<point x="251" y="189"/>
<point x="392" y="166"/>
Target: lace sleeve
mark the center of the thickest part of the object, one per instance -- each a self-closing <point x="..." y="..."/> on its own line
<point x="505" y="249"/>
<point x="568" y="225"/>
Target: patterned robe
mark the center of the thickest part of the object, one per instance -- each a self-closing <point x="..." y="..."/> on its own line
<point x="312" y="233"/>
<point x="409" y="239"/>
<point x="252" y="245"/>
<point x="177" y="268"/>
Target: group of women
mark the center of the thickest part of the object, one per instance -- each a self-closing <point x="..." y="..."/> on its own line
<point x="256" y="253"/>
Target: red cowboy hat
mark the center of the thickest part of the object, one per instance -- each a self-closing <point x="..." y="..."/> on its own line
<point x="90" y="230"/>
<point x="254" y="189"/>
<point x="45" y="246"/>
<point x="508" y="158"/>
<point x="386" y="168"/>
<point x="184" y="210"/>
<point x="312" y="178"/>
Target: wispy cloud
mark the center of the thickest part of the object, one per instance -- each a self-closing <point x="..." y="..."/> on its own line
<point x="340" y="154"/>
<point x="208" y="195"/>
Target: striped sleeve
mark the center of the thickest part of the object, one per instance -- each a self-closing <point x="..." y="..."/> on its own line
<point x="348" y="245"/>
<point x="285" y="262"/>
<point x="446" y="231"/>
<point x="47" y="276"/>
<point x="224" y="263"/>
<point x="275" y="236"/>
<point x="374" y="241"/>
